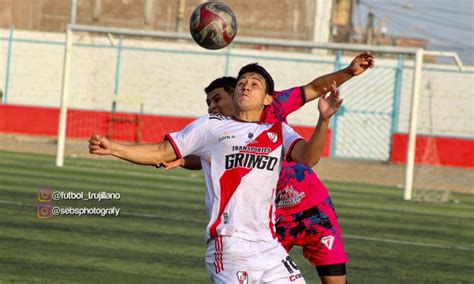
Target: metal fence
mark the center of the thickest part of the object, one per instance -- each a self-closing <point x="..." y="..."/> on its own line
<point x="169" y="75"/>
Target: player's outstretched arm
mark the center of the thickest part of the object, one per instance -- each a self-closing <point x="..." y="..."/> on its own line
<point x="142" y="154"/>
<point x="321" y="85"/>
<point x="189" y="163"/>
<point x="310" y="152"/>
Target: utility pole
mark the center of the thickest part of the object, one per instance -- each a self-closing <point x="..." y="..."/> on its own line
<point x="370" y="27"/>
<point x="97" y="10"/>
<point x="148" y="9"/>
<point x="179" y="18"/>
<point x="341" y="20"/>
<point x="73" y="12"/>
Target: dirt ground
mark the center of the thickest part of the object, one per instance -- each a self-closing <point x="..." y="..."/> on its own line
<point x="366" y="172"/>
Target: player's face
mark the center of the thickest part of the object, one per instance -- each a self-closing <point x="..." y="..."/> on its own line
<point x="251" y="92"/>
<point x="219" y="101"/>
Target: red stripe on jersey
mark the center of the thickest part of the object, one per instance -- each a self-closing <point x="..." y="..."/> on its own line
<point x="228" y="183"/>
<point x="222" y="252"/>
<point x="173" y="144"/>
<point x="272" y="226"/>
<point x="215" y="256"/>
<point x="218" y="264"/>
<point x="231" y="179"/>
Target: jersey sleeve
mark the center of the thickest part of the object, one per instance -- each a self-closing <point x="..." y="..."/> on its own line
<point x="284" y="103"/>
<point x="290" y="137"/>
<point x="191" y="140"/>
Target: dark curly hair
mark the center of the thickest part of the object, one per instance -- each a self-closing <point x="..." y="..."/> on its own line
<point x="228" y="83"/>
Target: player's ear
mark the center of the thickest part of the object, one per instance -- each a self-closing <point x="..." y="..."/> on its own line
<point x="268" y="100"/>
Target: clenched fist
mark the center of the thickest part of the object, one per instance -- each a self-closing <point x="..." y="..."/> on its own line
<point x="99" y="145"/>
<point x="361" y="63"/>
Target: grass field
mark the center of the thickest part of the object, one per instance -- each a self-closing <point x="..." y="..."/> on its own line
<point x="158" y="237"/>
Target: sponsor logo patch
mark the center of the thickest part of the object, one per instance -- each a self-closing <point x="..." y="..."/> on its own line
<point x="294" y="277"/>
<point x="288" y="197"/>
<point x="328" y="242"/>
<point x="227" y="135"/>
<point x="250" y="161"/>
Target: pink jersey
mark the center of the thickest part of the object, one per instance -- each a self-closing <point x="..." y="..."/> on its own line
<point x="284" y="103"/>
<point x="241" y="163"/>
<point x="298" y="187"/>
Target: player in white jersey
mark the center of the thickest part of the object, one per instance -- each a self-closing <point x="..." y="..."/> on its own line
<point x="240" y="233"/>
<point x="252" y="153"/>
<point x="241" y="158"/>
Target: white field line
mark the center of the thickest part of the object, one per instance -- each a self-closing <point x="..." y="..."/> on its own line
<point x="398" y="210"/>
<point x="384" y="240"/>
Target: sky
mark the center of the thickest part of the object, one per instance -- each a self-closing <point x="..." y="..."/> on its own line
<point x="448" y="25"/>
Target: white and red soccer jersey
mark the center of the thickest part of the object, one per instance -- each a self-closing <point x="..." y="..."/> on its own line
<point x="241" y="162"/>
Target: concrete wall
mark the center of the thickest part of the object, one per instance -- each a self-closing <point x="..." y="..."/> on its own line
<point x="170" y="77"/>
<point x="289" y="19"/>
<point x="446" y="101"/>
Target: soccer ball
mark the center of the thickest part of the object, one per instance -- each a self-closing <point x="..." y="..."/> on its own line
<point x="213" y="25"/>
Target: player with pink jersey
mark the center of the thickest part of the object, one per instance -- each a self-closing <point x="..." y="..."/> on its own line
<point x="305" y="214"/>
<point x="241" y="157"/>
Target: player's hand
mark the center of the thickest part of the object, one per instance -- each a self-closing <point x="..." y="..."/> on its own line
<point x="171" y="165"/>
<point x="99" y="145"/>
<point x="328" y="105"/>
<point x="361" y="63"/>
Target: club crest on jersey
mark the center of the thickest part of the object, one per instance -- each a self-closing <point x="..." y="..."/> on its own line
<point x="272" y="136"/>
<point x="328" y="242"/>
<point x="243" y="277"/>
